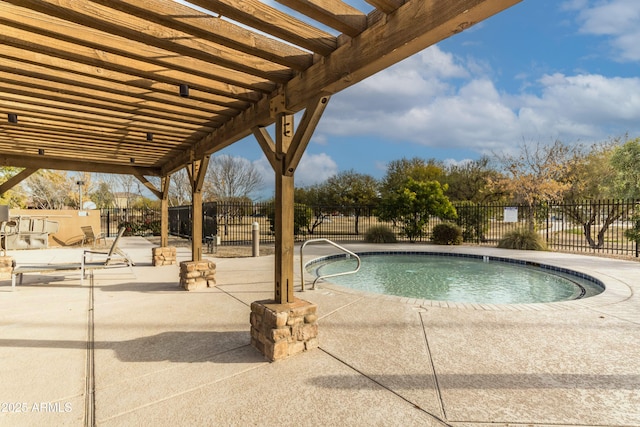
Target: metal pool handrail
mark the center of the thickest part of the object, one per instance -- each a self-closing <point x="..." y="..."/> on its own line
<point x="303" y="267"/>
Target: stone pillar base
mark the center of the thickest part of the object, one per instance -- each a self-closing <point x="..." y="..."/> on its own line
<point x="282" y="330"/>
<point x="164" y="256"/>
<point x="197" y="274"/>
<point x="6" y="267"/>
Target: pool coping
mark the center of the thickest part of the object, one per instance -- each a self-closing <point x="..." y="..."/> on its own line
<point x="615" y="290"/>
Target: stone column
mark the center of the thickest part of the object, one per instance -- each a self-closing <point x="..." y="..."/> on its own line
<point x="197" y="274"/>
<point x="164" y="256"/>
<point x="282" y="330"/>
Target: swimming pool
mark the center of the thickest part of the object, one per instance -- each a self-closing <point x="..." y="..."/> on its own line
<point x="458" y="277"/>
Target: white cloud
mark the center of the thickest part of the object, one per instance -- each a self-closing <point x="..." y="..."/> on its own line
<point x="477" y="116"/>
<point x="413" y="81"/>
<point x="313" y="169"/>
<point x="617" y="19"/>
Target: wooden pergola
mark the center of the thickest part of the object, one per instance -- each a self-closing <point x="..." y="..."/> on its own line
<point x="148" y="87"/>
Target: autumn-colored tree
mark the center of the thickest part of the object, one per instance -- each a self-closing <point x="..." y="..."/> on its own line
<point x="535" y="175"/>
<point x="15" y="197"/>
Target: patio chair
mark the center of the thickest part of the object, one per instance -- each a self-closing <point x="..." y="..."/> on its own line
<point x="114" y="257"/>
<point x="90" y="236"/>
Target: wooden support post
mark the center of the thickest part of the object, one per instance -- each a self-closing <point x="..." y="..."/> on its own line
<point x="284" y="210"/>
<point x="196" y="176"/>
<point x="164" y="212"/>
<point x="284" y="156"/>
<point x="196" y="231"/>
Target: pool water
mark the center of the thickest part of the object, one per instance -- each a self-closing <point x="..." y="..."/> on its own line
<point x="458" y="279"/>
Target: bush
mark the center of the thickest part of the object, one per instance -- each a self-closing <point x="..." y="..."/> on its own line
<point x="447" y="233"/>
<point x="380" y="234"/>
<point x="522" y="239"/>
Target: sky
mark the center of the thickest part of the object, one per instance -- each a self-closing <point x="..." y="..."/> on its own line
<point x="540" y="71"/>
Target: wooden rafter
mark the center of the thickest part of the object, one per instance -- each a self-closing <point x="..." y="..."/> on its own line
<point x="89" y="79"/>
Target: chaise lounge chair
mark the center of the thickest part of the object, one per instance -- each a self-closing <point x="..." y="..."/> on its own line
<point x="114" y="257"/>
<point x="90" y="236"/>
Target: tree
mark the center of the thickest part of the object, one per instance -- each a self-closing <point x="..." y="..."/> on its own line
<point x="179" y="189"/>
<point x="418" y="169"/>
<point x="594" y="175"/>
<point x="351" y="192"/>
<point x="413" y="203"/>
<point x="626" y="164"/>
<point x="317" y="199"/>
<point x="102" y="196"/>
<point x="591" y="174"/>
<point x="16" y="196"/>
<point x="51" y="189"/>
<point x="471" y="181"/>
<point x="536" y="175"/>
<point x="230" y="177"/>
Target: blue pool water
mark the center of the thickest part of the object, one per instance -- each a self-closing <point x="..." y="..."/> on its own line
<point x="468" y="279"/>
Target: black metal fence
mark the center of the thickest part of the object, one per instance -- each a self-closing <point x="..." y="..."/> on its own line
<point x="141" y="222"/>
<point x="596" y="227"/>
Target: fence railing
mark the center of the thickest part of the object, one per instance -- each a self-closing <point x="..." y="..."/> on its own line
<point x="590" y="226"/>
<point x="136" y="221"/>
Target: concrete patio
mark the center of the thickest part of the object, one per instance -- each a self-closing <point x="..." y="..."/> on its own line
<point x="127" y="350"/>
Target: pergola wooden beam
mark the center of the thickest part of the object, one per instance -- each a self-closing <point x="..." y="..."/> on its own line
<point x="94" y="83"/>
<point x="333" y="13"/>
<point x="411" y="28"/>
<point x="143" y="179"/>
<point x="46" y="162"/>
<point x="200" y="25"/>
<point x="16" y="179"/>
<point x="272" y="21"/>
<point x="115" y="67"/>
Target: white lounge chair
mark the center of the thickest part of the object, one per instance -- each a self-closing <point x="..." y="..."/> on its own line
<point x="114" y="257"/>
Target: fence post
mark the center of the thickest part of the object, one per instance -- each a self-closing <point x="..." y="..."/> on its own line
<point x="548" y="215"/>
<point x="255" y="239"/>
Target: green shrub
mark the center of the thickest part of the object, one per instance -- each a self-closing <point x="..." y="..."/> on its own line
<point x="380" y="234"/>
<point x="522" y="239"/>
<point x="447" y="233"/>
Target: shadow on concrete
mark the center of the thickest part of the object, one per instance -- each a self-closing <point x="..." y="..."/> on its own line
<point x="484" y="381"/>
<point x="176" y="346"/>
